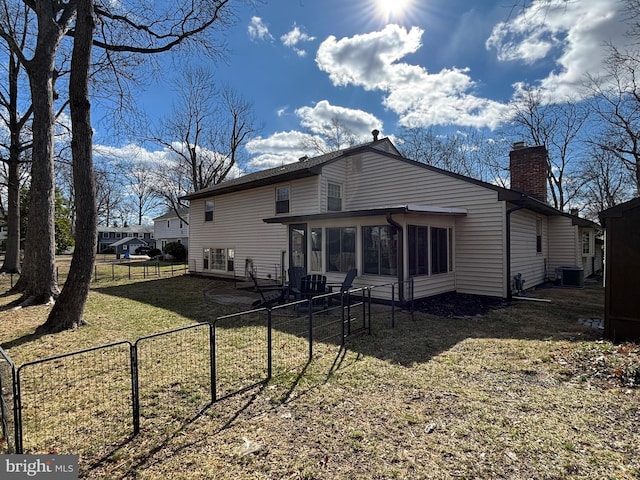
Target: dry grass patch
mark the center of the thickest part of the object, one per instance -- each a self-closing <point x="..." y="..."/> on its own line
<point x="522" y="392"/>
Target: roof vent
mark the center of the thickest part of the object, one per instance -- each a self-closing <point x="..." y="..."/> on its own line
<point x="375" y="134"/>
<point x="304" y="158"/>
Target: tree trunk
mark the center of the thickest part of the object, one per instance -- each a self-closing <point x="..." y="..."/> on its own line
<point x="12" y="253"/>
<point x="68" y="310"/>
<point x="38" y="280"/>
<point x="11" y="262"/>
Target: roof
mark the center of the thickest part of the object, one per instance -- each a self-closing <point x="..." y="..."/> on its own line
<point x="305" y="167"/>
<point x="130" y="228"/>
<point x="619" y="210"/>
<point x="171" y="213"/>
<point x="123" y="241"/>
<point x="417" y="209"/>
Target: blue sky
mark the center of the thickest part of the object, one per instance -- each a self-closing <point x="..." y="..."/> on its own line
<point x="401" y="63"/>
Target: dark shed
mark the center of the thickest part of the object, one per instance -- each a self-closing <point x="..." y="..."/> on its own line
<point x="622" y="265"/>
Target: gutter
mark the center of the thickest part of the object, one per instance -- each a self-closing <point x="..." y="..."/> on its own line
<point x="400" y="259"/>
<point x="508" y="228"/>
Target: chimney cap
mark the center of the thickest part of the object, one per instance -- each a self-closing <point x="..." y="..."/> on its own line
<point x="375" y="132"/>
<point x="303" y="158"/>
<point x="518" y="145"/>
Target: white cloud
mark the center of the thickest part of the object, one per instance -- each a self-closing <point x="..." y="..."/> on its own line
<point x="258" y="30"/>
<point x="572" y="34"/>
<point x="318" y="119"/>
<point x="292" y="38"/>
<point x="420" y="98"/>
<point x="278" y="149"/>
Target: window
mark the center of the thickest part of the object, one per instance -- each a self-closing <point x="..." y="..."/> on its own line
<point x="418" y="239"/>
<point x="208" y="211"/>
<point x="118" y="235"/>
<point x="586" y="243"/>
<point x="316" y="249"/>
<point x="282" y="199"/>
<point x="341" y="249"/>
<point x="334" y="197"/>
<point x="105" y="234"/>
<point x="221" y="259"/>
<point x="168" y="223"/>
<point x="205" y="258"/>
<point x="380" y="250"/>
<point x="180" y="223"/>
<point x="218" y="259"/>
<point x="538" y="235"/>
<point x="439" y="250"/>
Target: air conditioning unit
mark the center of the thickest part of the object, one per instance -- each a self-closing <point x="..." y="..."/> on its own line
<point x="570" y="276"/>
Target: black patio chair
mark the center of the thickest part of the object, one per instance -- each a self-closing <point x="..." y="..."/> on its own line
<point x="269" y="296"/>
<point x="346" y="284"/>
<point x="313" y="285"/>
<point x="295" y="278"/>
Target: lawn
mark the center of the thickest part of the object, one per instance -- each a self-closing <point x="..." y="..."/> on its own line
<point x="521" y="392"/>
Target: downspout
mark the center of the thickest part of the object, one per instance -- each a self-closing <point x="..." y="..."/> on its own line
<point x="400" y="259"/>
<point x="508" y="228"/>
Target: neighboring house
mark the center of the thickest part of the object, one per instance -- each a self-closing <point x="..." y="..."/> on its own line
<point x="110" y="235"/>
<point x="622" y="263"/>
<point x="391" y="218"/>
<point x="172" y="227"/>
<point x="128" y="245"/>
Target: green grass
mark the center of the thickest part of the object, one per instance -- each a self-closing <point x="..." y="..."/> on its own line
<point x="522" y="392"/>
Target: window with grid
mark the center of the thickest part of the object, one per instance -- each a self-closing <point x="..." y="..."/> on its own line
<point x="586" y="243"/>
<point x="334" y="197"/>
<point x="282" y="199"/>
<point x="208" y="211"/>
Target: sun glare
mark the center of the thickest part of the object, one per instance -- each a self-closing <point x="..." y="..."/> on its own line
<point x="391" y="9"/>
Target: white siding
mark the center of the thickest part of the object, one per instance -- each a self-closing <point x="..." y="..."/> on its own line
<point x="563" y="244"/>
<point x="169" y="230"/>
<point x="524" y="257"/>
<point x="374" y="181"/>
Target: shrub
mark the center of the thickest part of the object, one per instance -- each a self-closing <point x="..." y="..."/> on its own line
<point x="176" y="250"/>
<point x="154" y="252"/>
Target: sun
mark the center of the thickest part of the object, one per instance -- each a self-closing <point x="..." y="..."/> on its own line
<point x="393" y="8"/>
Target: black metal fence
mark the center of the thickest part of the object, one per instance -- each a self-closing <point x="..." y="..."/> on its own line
<point x="86" y="402"/>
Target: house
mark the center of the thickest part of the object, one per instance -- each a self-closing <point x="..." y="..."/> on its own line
<point x="128" y="246"/>
<point x="622" y="261"/>
<point x="109" y="235"/>
<point x="172" y="227"/>
<point x="393" y="219"/>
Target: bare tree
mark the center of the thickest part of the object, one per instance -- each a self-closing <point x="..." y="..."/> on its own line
<point x="13" y="150"/>
<point x="205" y="135"/>
<point x="330" y="137"/>
<point x="143" y="196"/>
<point x="468" y="152"/>
<point x="606" y="182"/>
<point x="135" y="28"/>
<point x="559" y="128"/>
<point x="617" y="104"/>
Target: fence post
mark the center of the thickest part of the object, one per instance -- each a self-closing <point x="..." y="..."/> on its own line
<point x="310" y="306"/>
<point x="17" y="412"/>
<point x="212" y="347"/>
<point x="393" y="305"/>
<point x="172" y="269"/>
<point x="129" y="265"/>
<point x="135" y="389"/>
<point x="95" y="273"/>
<point x="342" y="315"/>
<point x="212" y="361"/>
<point x="269" y="345"/>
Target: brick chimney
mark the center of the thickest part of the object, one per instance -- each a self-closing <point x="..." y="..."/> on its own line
<point x="528" y="168"/>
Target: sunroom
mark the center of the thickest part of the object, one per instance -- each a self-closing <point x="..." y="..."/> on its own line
<point x="387" y="245"/>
